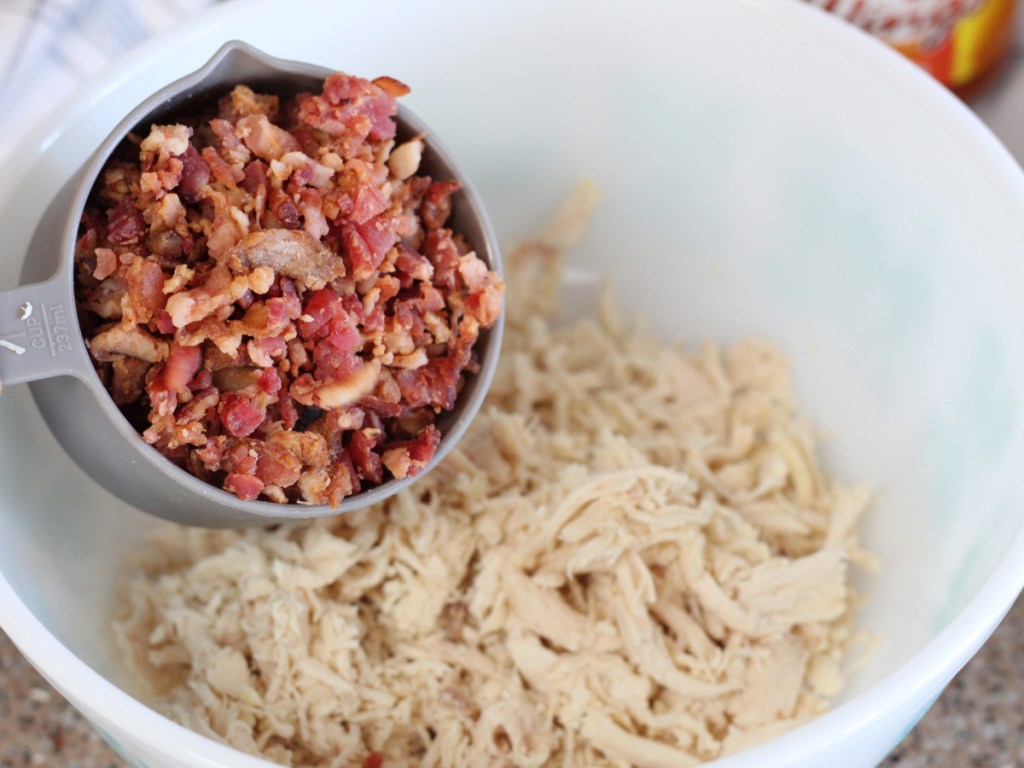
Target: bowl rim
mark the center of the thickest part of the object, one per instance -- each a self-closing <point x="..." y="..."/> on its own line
<point x="915" y="683"/>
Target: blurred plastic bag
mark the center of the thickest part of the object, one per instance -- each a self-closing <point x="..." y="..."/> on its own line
<point x="960" y="42"/>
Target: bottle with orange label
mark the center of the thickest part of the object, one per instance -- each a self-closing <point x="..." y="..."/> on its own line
<point x="960" y="42"/>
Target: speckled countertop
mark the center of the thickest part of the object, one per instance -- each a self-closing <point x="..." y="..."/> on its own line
<point x="978" y="722"/>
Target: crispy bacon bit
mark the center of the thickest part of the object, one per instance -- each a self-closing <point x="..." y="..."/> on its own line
<point x="245" y="487"/>
<point x="166" y="140"/>
<point x="125" y="224"/>
<point x="440" y="249"/>
<point x="277" y="284"/>
<point x="129" y="379"/>
<point x="145" y="296"/>
<point x="196" y="410"/>
<point x="368" y="202"/>
<point x="181" y="366"/>
<point x="277" y="466"/>
<point x="219" y="290"/>
<point x="238" y="415"/>
<point x="392" y="86"/>
<point x="264" y="139"/>
<point x="409" y="458"/>
<point x="195" y="175"/>
<point x="244" y="101"/>
<point x="437" y="204"/>
<point x="254" y="177"/>
<point x="310" y="447"/>
<point x="367" y="244"/>
<point x="343" y="480"/>
<point x="351" y="107"/>
<point x="106" y="263"/>
<point x="269" y="381"/>
<point x="302" y="169"/>
<point x="223" y="172"/>
<point x="229" y="147"/>
<point x="365" y="459"/>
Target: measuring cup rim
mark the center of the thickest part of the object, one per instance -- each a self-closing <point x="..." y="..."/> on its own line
<point x="466" y="406"/>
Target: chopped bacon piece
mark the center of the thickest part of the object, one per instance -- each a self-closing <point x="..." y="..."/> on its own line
<point x="368" y="202"/>
<point x="284" y="209"/>
<point x="443" y="254"/>
<point x="392" y="86"/>
<point x="289" y="414"/>
<point x="195" y="175"/>
<point x="485" y="305"/>
<point x="201" y="380"/>
<point x="263" y="138"/>
<point x="310" y="447"/>
<point x="278" y="291"/>
<point x="220" y="289"/>
<point x="197" y="408"/>
<point x="238" y="415"/>
<point x="410" y="457"/>
<point x="181" y="366"/>
<point x="413" y="266"/>
<point x="230" y="146"/>
<point x="437" y="203"/>
<point x="351" y="106"/>
<point x="125" y="223"/>
<point x="167" y="246"/>
<point x="323" y="307"/>
<point x="344" y="481"/>
<point x="106" y="263"/>
<point x="129" y="379"/>
<point x="364" y="458"/>
<point x="244" y="101"/>
<point x="255" y="177"/>
<point x="269" y="381"/>
<point x="366" y="244"/>
<point x="163" y="322"/>
<point x="223" y="172"/>
<point x="145" y="296"/>
<point x="276" y="465"/>
<point x="245" y="487"/>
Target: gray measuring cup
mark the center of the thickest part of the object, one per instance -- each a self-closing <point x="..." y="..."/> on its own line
<point x="41" y="341"/>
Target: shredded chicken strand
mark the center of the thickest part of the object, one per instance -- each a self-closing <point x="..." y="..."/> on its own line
<point x="632" y="558"/>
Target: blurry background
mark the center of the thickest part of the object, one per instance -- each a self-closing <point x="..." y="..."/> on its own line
<point x="49" y="47"/>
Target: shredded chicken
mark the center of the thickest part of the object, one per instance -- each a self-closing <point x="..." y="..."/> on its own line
<point x="632" y="558"/>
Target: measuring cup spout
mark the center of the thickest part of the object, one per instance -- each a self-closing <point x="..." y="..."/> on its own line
<point x="39" y="335"/>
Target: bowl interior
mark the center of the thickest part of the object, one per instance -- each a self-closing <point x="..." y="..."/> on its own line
<point x="765" y="172"/>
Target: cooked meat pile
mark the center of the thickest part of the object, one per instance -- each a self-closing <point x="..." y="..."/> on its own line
<point x="272" y="294"/>
<point x="633" y="558"/>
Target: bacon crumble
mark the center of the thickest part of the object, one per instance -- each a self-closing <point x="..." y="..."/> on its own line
<point x="273" y="293"/>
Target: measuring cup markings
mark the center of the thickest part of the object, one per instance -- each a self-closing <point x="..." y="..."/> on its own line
<point x="38" y="332"/>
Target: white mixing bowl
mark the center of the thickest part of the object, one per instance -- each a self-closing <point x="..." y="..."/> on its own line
<point x="767" y="170"/>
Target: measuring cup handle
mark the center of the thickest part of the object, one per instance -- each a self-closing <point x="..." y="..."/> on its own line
<point x="39" y="334"/>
